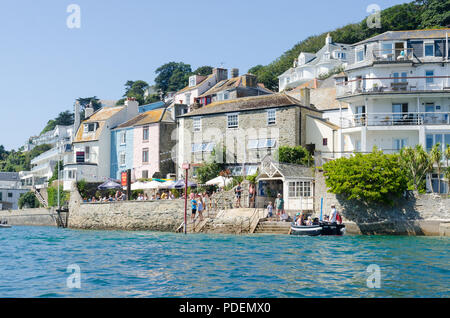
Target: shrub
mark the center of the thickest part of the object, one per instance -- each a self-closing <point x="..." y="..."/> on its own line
<point x="374" y="177"/>
<point x="296" y="155"/>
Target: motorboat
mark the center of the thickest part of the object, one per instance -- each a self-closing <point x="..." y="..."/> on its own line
<point x="320" y="228"/>
<point x="5" y="226"/>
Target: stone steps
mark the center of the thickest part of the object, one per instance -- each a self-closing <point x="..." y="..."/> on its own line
<point x="273" y="227"/>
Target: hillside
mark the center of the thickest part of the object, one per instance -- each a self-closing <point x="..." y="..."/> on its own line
<point x="424" y="14"/>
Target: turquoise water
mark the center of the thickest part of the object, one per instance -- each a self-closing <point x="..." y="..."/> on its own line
<point x="34" y="261"/>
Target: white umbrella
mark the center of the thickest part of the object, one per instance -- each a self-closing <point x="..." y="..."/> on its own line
<point x="220" y="181"/>
<point x="145" y="185"/>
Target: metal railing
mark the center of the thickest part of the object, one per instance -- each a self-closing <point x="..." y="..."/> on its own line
<point x="396" y="119"/>
<point x="393" y="55"/>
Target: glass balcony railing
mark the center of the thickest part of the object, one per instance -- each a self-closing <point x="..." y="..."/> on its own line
<point x="396" y="119"/>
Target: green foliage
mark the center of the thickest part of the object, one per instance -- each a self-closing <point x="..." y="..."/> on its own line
<point x="15" y="161"/>
<point x="204" y="70"/>
<point x="52" y="193"/>
<point x="408" y="16"/>
<point x="28" y="200"/>
<point x="212" y="168"/>
<point x="296" y="155"/>
<point x="65" y="118"/>
<point x="415" y="163"/>
<point x="134" y="89"/>
<point x="172" y="76"/>
<point x="374" y="177"/>
<point x="252" y="178"/>
<point x="55" y="172"/>
<point x="436" y="156"/>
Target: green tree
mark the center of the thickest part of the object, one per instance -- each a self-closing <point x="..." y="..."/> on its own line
<point x="435" y="13"/>
<point x="204" y="70"/>
<point x="28" y="200"/>
<point x="134" y="89"/>
<point x="416" y="163"/>
<point x="374" y="177"/>
<point x="65" y="118"/>
<point x="213" y="167"/>
<point x="296" y="155"/>
<point x="436" y="159"/>
<point x="172" y="76"/>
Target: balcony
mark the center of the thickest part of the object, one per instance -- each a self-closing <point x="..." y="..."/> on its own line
<point x="393" y="85"/>
<point x="393" y="55"/>
<point x="396" y="119"/>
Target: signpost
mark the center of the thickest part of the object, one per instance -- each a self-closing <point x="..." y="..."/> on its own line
<point x="185" y="166"/>
<point x="126" y="181"/>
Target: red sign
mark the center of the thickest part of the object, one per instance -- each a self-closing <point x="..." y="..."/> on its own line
<point x="185" y="166"/>
<point x="124" y="178"/>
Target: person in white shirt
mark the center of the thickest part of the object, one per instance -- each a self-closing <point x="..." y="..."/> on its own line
<point x="332" y="217"/>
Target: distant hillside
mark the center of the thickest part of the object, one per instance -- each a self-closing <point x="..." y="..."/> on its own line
<point x="425" y="14"/>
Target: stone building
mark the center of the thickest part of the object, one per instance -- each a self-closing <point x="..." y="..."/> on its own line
<point x="247" y="128"/>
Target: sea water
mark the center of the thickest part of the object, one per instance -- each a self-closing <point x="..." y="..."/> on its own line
<point x="52" y="262"/>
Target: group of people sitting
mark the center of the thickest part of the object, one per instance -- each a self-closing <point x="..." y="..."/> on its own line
<point x="121" y="196"/>
<point x="334" y="217"/>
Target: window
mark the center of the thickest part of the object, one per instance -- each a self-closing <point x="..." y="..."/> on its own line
<point x="192" y="81"/>
<point x="145" y="174"/>
<point x="429" y="74"/>
<point x="271" y="117"/>
<point x="10" y="195"/>
<point x="188" y="99"/>
<point x="400" y="144"/>
<point x="1" y="196"/>
<point x="145" y="155"/>
<point x="89" y="127"/>
<point x="80" y="157"/>
<point x="386" y="48"/>
<point x="325" y="141"/>
<point x="87" y="152"/>
<point x="433" y="139"/>
<point x="232" y="121"/>
<point x="197" y="124"/>
<point x="123" y="138"/>
<point x="358" y="146"/>
<point x="429" y="49"/>
<point x="400" y="77"/>
<point x="145" y="134"/>
<point x="202" y="147"/>
<point x="360" y="56"/>
<point x="261" y="143"/>
<point x="299" y="189"/>
<point x="122" y="158"/>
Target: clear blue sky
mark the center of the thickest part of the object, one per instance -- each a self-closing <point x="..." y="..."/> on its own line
<point x="45" y="66"/>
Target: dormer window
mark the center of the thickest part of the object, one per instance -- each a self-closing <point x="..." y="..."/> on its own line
<point x="340" y="55"/>
<point x="88" y="128"/>
<point x="192" y="81"/>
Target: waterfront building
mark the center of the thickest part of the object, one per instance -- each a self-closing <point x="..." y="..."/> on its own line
<point x="247" y="128"/>
<point x="232" y="88"/>
<point x="144" y="144"/>
<point x="198" y="85"/>
<point x="309" y="66"/>
<point x="60" y="134"/>
<point x="90" y="158"/>
<point x="10" y="190"/>
<point x="398" y="91"/>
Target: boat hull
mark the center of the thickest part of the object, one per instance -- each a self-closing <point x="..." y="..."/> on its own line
<point x="320" y="229"/>
<point x="4" y="226"/>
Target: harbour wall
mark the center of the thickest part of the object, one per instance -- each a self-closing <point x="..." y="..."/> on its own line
<point x="34" y="217"/>
<point x="417" y="214"/>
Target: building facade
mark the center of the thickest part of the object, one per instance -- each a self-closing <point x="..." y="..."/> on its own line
<point x="10" y="190"/>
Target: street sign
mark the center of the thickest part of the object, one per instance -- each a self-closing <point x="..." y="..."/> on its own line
<point x="124" y="178"/>
<point x="185" y="166"/>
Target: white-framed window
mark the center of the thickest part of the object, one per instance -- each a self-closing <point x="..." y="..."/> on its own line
<point x="122" y="158"/>
<point x="433" y="139"/>
<point x="271" y="117"/>
<point x="202" y="147"/>
<point x="123" y="138"/>
<point x="87" y="153"/>
<point x="232" y="121"/>
<point x="145" y="133"/>
<point x="299" y="189"/>
<point x="188" y="98"/>
<point x="197" y="123"/>
<point x="360" y="55"/>
<point x="386" y="48"/>
<point x="400" y="143"/>
<point x="400" y="77"/>
<point x="428" y="73"/>
<point x="429" y="48"/>
<point x="145" y="155"/>
<point x="90" y="127"/>
<point x="192" y="81"/>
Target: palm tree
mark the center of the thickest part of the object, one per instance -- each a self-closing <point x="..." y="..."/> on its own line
<point x="447" y="171"/>
<point x="436" y="159"/>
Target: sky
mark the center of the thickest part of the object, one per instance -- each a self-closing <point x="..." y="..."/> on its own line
<point x="45" y="65"/>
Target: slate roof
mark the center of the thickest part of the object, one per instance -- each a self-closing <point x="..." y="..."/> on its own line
<point x="9" y="176"/>
<point x="188" y="88"/>
<point x="406" y="35"/>
<point x="246" y="103"/>
<point x="230" y="84"/>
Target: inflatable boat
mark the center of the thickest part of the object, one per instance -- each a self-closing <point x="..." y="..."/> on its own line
<point x="4" y="226"/>
<point x="322" y="228"/>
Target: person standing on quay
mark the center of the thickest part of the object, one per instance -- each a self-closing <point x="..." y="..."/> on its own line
<point x="279" y="204"/>
<point x="238" y="192"/>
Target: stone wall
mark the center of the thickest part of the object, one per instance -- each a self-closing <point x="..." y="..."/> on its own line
<point x="35" y="217"/>
<point x="161" y="215"/>
<point x="412" y="215"/>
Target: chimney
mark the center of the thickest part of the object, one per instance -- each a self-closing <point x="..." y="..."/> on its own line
<point x="221" y="74"/>
<point x="328" y="39"/>
<point x="132" y="107"/>
<point x="88" y="111"/>
<point x="305" y="96"/>
<point x="249" y="80"/>
<point x="234" y="72"/>
<point x="77" y="119"/>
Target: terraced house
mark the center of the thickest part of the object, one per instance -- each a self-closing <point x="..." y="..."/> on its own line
<point x="398" y="92"/>
<point x="144" y="145"/>
<point x="248" y="128"/>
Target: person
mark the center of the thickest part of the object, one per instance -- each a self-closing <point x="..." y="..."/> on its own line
<point x="279" y="204"/>
<point x="110" y="198"/>
<point x="145" y="197"/>
<point x="332" y="217"/>
<point x="309" y="222"/>
<point x="158" y="196"/>
<point x="153" y="197"/>
<point x="270" y="210"/>
<point x="194" y="208"/>
<point x="164" y="196"/>
<point x="238" y="192"/>
<point x="251" y="195"/>
<point x="171" y="196"/>
<point x="200" y="206"/>
<point x="140" y="197"/>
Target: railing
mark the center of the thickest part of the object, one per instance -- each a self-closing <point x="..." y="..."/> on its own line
<point x="396" y="119"/>
<point x="393" y="85"/>
<point x="393" y="55"/>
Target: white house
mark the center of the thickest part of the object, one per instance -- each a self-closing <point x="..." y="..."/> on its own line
<point x="309" y="65"/>
<point x="10" y="190"/>
<point x="90" y="158"/>
<point x="398" y="92"/>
